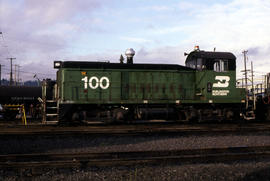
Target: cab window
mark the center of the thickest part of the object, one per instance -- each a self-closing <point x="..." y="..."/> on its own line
<point x="199" y="64"/>
<point x="192" y="63"/>
<point x="195" y="63"/>
<point x="221" y="65"/>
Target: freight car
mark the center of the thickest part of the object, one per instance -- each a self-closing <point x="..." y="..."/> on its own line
<point x="262" y="110"/>
<point x="203" y="89"/>
<point x="28" y="96"/>
<point x="18" y="95"/>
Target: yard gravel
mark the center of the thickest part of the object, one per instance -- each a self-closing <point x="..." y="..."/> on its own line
<point x="114" y="143"/>
<point x="244" y="170"/>
<point x="238" y="171"/>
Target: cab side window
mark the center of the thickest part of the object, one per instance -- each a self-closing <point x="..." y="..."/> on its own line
<point x="221" y="65"/>
<point x="195" y="63"/>
<point x="199" y="64"/>
<point x="191" y="64"/>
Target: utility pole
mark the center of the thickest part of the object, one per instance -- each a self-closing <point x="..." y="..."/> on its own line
<point x="265" y="83"/>
<point x="253" y="91"/>
<point x="18" y="78"/>
<point x="10" y="80"/>
<point x="16" y="74"/>
<point x="0" y="73"/>
<point x="15" y="82"/>
<point x="245" y="59"/>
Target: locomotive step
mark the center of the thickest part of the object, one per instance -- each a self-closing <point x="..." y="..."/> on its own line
<point x="51" y="101"/>
<point x="51" y="122"/>
<point x="51" y="115"/>
<point x="51" y="107"/>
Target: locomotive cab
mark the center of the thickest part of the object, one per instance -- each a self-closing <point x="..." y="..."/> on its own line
<point x="215" y="79"/>
<point x="215" y="84"/>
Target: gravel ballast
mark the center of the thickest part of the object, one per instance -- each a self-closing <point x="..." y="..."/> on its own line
<point x="88" y="143"/>
<point x="252" y="171"/>
<point x="238" y="170"/>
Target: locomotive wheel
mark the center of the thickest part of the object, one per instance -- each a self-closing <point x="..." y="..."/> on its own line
<point x="119" y="115"/>
<point x="228" y="114"/>
<point x="79" y="116"/>
<point x="192" y="116"/>
<point x="181" y="116"/>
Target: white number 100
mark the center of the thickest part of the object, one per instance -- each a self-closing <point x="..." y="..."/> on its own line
<point x="94" y="82"/>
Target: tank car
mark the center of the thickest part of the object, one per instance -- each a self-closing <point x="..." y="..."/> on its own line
<point x="18" y="95"/>
<point x="205" y="88"/>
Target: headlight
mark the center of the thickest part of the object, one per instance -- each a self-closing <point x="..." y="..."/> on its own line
<point x="57" y="64"/>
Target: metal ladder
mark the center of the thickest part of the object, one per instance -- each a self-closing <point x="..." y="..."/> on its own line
<point x="50" y="112"/>
<point x="49" y="106"/>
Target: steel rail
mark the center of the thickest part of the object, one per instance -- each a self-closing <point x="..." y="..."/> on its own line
<point x="136" y="129"/>
<point x="63" y="160"/>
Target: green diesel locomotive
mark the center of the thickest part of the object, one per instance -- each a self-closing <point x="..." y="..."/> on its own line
<point x="203" y="89"/>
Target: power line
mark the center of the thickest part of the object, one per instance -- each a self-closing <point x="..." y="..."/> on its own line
<point x="4" y="44"/>
<point x="26" y="72"/>
<point x="35" y="73"/>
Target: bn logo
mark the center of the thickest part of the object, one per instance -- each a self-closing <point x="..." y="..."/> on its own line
<point x="222" y="81"/>
<point x="94" y="82"/>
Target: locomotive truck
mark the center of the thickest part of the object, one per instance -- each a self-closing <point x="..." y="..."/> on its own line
<point x="203" y="89"/>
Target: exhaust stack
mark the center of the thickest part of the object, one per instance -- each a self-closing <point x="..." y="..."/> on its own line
<point x="130" y="54"/>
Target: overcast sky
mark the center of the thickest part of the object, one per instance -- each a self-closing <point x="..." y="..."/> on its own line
<point x="37" y="32"/>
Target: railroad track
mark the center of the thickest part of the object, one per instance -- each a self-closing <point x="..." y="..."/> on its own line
<point x="136" y="129"/>
<point x="83" y="160"/>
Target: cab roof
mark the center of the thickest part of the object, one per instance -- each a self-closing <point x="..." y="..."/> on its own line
<point x="210" y="55"/>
